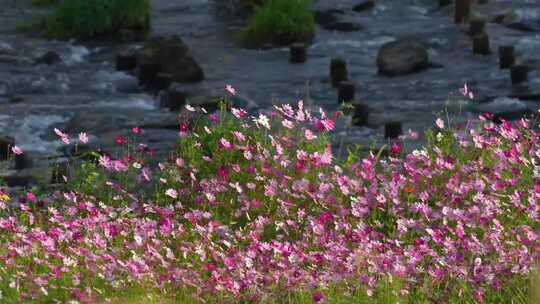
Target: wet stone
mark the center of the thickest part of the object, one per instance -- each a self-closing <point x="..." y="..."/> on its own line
<point x="519" y="26"/>
<point x="175" y="99"/>
<point x="402" y="57"/>
<point x="343" y="26"/>
<point x="324" y="17"/>
<point x="126" y="61"/>
<point x="364" y="6"/>
<point x="48" y="58"/>
<point x="163" y="81"/>
<point x="148" y="72"/>
<point x="172" y="56"/>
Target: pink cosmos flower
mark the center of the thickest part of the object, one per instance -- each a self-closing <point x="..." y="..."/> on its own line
<point x="136" y="130"/>
<point x="172" y="193"/>
<point x="309" y="135"/>
<point x="121" y="140"/>
<point x="119" y="166"/>
<point x="395" y="149"/>
<point x="223" y="172"/>
<point x="83" y="137"/>
<point x="465" y="92"/>
<point x="213" y="117"/>
<point x="230" y="89"/>
<point x="440" y="123"/>
<point x="184" y="127"/>
<point x="63" y="136"/>
<point x="59" y="133"/>
<point x="318" y="297"/>
<point x="225" y="143"/>
<point x="239" y="135"/>
<point x="263" y="121"/>
<point x="105" y="161"/>
<point x="238" y="113"/>
<point x="326" y="124"/>
<point x="31" y="197"/>
<point x="409" y="135"/>
<point x="287" y="124"/>
<point x="146" y="174"/>
<point x="16" y="150"/>
<point x="228" y="262"/>
<point x="326" y="157"/>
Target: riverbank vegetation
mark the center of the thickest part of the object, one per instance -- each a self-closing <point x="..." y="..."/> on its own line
<point x="87" y="19"/>
<point x="280" y="22"/>
<point x="256" y="209"/>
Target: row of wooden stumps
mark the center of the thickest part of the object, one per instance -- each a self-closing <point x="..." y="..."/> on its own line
<point x="339" y="78"/>
<point x="481" y="45"/>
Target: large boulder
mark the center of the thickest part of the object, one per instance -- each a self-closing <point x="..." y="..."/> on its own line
<point x="402" y="57"/>
<point x="173" y="56"/>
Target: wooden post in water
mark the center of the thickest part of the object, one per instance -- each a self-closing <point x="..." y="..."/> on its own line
<point x="443" y="3"/>
<point x="392" y="129"/>
<point x="506" y="56"/>
<point x="298" y="53"/>
<point x="477" y="26"/>
<point x="346" y="91"/>
<point x="519" y="74"/>
<point x="481" y="44"/>
<point x="360" y="114"/>
<point x="462" y="10"/>
<point x="338" y="71"/>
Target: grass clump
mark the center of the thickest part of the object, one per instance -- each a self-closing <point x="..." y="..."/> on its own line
<point x="280" y="22"/>
<point x="90" y="18"/>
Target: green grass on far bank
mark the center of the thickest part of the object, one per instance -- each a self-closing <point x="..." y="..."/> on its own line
<point x="280" y="22"/>
<point x="91" y="18"/>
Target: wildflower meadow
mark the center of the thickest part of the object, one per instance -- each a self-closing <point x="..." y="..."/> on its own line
<point x="255" y="208"/>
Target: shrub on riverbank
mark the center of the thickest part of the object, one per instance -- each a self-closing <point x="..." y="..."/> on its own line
<point x="280" y="22"/>
<point x="89" y="18"/>
<point x="257" y="209"/>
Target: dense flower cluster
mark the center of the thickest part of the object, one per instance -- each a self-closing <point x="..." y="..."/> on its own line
<point x="256" y="207"/>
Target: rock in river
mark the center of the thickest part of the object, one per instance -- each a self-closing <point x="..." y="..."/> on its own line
<point x="402" y="57"/>
<point x="174" y="57"/>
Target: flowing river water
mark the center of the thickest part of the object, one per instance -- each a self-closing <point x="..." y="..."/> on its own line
<point x="84" y="92"/>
